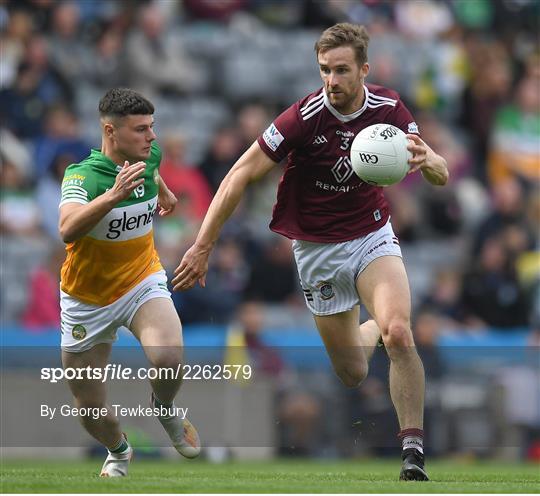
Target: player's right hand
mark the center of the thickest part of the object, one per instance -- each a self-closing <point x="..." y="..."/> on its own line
<point x="127" y="180"/>
<point x="192" y="268"/>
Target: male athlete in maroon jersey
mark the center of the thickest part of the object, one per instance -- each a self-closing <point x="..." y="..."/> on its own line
<point x="320" y="198"/>
<point x="344" y="246"/>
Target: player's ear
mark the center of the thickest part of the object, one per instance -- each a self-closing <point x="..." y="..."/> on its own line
<point x="365" y="70"/>
<point x="108" y="129"/>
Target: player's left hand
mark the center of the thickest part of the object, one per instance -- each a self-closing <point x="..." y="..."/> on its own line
<point x="166" y="202"/>
<point x="419" y="152"/>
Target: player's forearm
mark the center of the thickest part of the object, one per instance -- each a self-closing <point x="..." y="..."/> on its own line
<point x="222" y="207"/>
<point x="162" y="187"/>
<point x="81" y="221"/>
<point x="436" y="170"/>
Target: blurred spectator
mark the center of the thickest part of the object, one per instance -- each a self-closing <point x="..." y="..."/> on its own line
<point x="515" y="138"/>
<point x="184" y="180"/>
<point x="49" y="192"/>
<point x="211" y="10"/>
<point x="19" y="213"/>
<point x="252" y="120"/>
<point x="508" y="209"/>
<point x="443" y="297"/>
<point x="274" y="278"/>
<point x="61" y="136"/>
<point x="53" y="86"/>
<point x="12" y="42"/>
<point x="156" y="61"/>
<point x="43" y="305"/>
<point x="224" y="150"/>
<point x="69" y="49"/>
<point x="21" y="107"/>
<point x="423" y="20"/>
<point x="488" y="89"/>
<point x="225" y="283"/>
<point x="491" y="293"/>
<point x="108" y="67"/>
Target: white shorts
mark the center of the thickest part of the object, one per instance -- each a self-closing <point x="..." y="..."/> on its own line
<point x="84" y="325"/>
<point x="328" y="271"/>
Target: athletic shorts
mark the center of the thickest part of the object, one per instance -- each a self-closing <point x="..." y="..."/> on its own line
<point x="328" y="271"/>
<point x="84" y="325"/>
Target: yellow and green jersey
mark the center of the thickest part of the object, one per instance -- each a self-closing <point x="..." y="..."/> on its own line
<point x="119" y="251"/>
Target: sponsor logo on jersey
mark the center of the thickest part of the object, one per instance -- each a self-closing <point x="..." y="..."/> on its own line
<point x="124" y="223"/>
<point x="326" y="290"/>
<point x="78" y="332"/>
<point x="77" y="177"/>
<point x="342" y="170"/>
<point x="412" y="128"/>
<point x="382" y="243"/>
<point x="320" y="140"/>
<point x="336" y="188"/>
<point x="346" y="134"/>
<point x="377" y="215"/>
<point x="272" y="137"/>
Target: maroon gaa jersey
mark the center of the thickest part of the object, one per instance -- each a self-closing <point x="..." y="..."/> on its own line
<point x="319" y="197"/>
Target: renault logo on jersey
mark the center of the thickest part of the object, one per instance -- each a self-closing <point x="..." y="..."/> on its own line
<point x="342" y="169"/>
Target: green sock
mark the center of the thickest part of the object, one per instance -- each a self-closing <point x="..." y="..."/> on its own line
<point x="120" y="447"/>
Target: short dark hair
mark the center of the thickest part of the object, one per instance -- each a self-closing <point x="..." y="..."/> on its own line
<point x="345" y="34"/>
<point x="120" y="102"/>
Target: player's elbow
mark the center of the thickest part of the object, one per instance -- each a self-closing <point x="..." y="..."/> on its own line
<point x="66" y="233"/>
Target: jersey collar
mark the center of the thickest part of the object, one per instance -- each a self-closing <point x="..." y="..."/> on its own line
<point x="349" y="117"/>
<point x="95" y="153"/>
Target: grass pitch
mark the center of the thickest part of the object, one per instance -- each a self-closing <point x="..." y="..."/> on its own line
<point x="283" y="476"/>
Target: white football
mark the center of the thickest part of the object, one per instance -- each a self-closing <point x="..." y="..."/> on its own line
<point x="379" y="155"/>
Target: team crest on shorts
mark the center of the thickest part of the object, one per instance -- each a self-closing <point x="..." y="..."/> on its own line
<point x="326" y="290"/>
<point x="78" y="332"/>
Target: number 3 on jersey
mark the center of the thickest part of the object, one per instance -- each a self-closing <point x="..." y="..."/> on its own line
<point x="344" y="143"/>
<point x="139" y="191"/>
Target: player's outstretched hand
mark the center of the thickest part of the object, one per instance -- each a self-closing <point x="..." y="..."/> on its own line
<point x="419" y="152"/>
<point x="127" y="180"/>
<point x="166" y="202"/>
<point x="192" y="268"/>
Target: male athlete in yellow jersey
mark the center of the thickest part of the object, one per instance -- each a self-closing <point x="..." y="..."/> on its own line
<point x="112" y="275"/>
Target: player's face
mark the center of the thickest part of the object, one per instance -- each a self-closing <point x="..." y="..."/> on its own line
<point x="133" y="136"/>
<point x="343" y="78"/>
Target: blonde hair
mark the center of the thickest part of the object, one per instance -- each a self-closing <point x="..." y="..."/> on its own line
<point x="345" y="34"/>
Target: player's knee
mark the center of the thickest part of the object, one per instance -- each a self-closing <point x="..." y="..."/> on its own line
<point x="167" y="361"/>
<point x="353" y="375"/>
<point x="398" y="334"/>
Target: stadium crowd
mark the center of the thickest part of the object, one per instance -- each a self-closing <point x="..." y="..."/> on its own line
<point x="217" y="73"/>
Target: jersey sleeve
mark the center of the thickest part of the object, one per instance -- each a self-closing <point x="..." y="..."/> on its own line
<point x="77" y="187"/>
<point x="283" y="135"/>
<point x="403" y="119"/>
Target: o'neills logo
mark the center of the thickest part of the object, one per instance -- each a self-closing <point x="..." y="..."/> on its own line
<point x="125" y="223"/>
